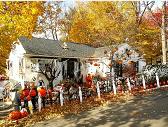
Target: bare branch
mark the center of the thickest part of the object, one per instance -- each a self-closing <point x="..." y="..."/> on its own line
<point x="146" y="6"/>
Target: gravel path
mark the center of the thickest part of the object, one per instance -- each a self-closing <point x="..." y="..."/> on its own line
<point x="146" y="111"/>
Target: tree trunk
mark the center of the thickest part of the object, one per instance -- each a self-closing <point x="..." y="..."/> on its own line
<point x="51" y="83"/>
<point x="163" y="35"/>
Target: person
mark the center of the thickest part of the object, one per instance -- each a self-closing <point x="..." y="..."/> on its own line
<point x="33" y="94"/>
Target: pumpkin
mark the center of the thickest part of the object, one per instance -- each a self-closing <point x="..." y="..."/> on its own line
<point x="43" y="92"/>
<point x="15" y="115"/>
<point x="24" y="114"/>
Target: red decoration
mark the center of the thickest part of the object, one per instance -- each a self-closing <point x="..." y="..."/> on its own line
<point x="32" y="93"/>
<point x="21" y="97"/>
<point x="24" y="114"/>
<point x="26" y="92"/>
<point x="28" y="98"/>
<point x="15" y="115"/>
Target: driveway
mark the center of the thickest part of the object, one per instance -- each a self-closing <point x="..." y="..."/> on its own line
<point x="141" y="111"/>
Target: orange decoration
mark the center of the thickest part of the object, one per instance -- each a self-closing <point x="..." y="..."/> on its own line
<point x="15" y="115"/>
<point x="24" y="114"/>
<point x="42" y="92"/>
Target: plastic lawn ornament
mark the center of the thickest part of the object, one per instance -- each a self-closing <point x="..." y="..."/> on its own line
<point x="80" y="94"/>
<point x="98" y="89"/>
<point x="30" y="107"/>
<point x="157" y="80"/>
<point x="114" y="87"/>
<point x="143" y="81"/>
<point x="129" y="84"/>
<point x="39" y="103"/>
<point x="61" y="97"/>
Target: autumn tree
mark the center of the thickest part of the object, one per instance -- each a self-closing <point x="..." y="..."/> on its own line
<point x="49" y="23"/>
<point x="16" y="19"/>
<point x="106" y="23"/>
<point x="96" y="24"/>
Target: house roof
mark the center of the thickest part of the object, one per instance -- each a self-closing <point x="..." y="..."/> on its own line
<point x="46" y="47"/>
<point x="52" y="48"/>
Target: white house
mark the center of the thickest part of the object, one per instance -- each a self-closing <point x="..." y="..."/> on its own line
<point x="28" y="56"/>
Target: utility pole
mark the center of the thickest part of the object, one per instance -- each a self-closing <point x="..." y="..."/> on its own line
<point x="163" y="34"/>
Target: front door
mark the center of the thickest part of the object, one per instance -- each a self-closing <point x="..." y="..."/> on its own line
<point x="70" y="69"/>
